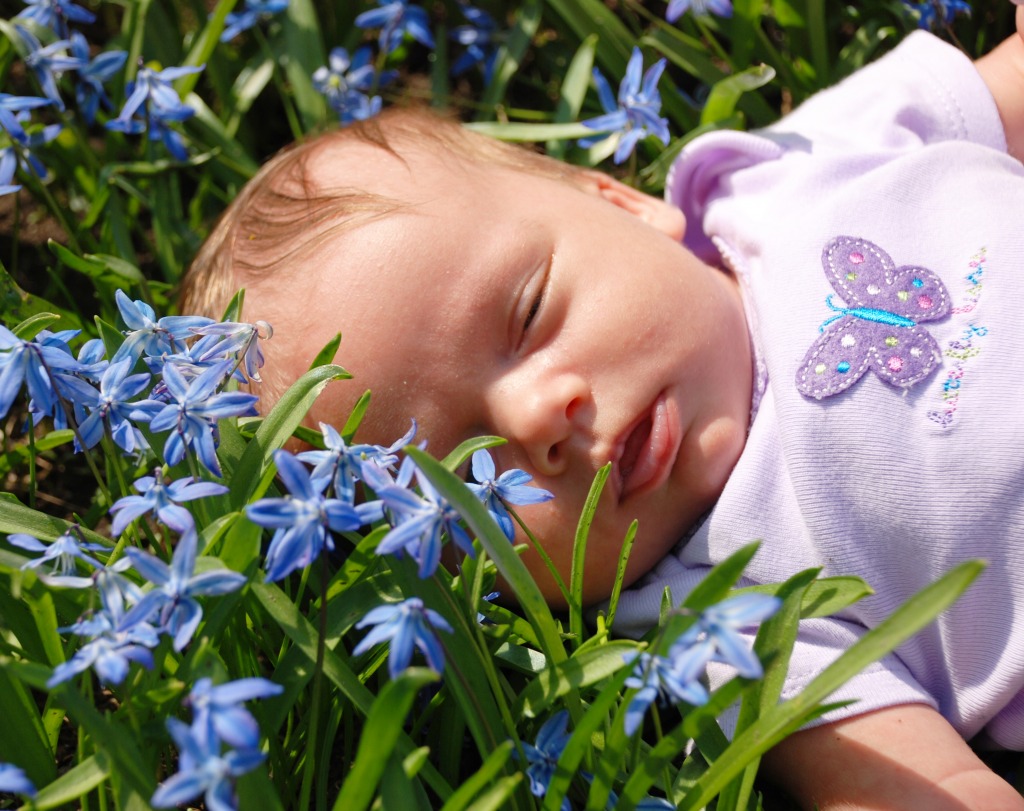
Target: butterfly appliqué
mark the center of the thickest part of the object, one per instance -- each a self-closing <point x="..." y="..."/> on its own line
<point x="880" y="326"/>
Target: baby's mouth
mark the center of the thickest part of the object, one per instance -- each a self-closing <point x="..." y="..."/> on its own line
<point x="649" y="450"/>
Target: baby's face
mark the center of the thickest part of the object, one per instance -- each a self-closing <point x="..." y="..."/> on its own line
<point x="571" y="322"/>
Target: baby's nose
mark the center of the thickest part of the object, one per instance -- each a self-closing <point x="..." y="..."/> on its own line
<point x="542" y="417"/>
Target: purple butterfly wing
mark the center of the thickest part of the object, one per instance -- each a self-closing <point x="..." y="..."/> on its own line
<point x="834" y="362"/>
<point x="865" y="276"/>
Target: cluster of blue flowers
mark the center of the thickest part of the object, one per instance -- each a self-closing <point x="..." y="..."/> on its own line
<point x="152" y="104"/>
<point x="221" y="744"/>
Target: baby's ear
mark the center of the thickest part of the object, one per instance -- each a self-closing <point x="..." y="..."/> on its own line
<point x="652" y="210"/>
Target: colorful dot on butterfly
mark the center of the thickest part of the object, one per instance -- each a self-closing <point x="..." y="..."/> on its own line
<point x="842" y="367"/>
<point x="851" y="276"/>
<point x="819" y="369"/>
<point x="895" y="363"/>
<point x="848" y="341"/>
<point x="856" y="257"/>
<point x="891" y="341"/>
<point x="903" y="295"/>
<point x="918" y="282"/>
<point x="874" y="289"/>
<point x="924" y="302"/>
<point x="915" y="351"/>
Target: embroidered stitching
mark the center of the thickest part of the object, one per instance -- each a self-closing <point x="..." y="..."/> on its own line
<point x="961" y="350"/>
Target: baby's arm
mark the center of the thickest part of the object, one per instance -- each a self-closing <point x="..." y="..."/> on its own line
<point x="900" y="758"/>
<point x="1003" y="72"/>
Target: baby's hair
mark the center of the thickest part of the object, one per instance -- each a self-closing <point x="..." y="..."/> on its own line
<point x="282" y="212"/>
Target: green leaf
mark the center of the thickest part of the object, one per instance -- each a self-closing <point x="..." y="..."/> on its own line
<point x="254" y="468"/>
<point x="73" y="784"/>
<point x="579" y="550"/>
<point x="498" y="548"/>
<point x="506" y="131"/>
<point x="24" y="740"/>
<point x="33" y="325"/>
<point x="305" y="53"/>
<point x="466" y="449"/>
<point x="379" y="738"/>
<point x="510" y="55"/>
<point x="326" y="355"/>
<point x="583" y="669"/>
<point x="725" y="93"/>
<point x="17" y="306"/>
<point x="573" y="92"/>
<point x="480" y="779"/>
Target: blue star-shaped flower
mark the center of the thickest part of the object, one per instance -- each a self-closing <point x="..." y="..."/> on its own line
<point x="47" y="62"/>
<point x="304" y="520"/>
<point x="204" y="769"/>
<point x="62" y="554"/>
<point x="511" y="487"/>
<point x="543" y="754"/>
<point x="341" y="463"/>
<point x="173" y="601"/>
<point x="93" y="74"/>
<point x="478" y="37"/>
<point x="408" y="626"/>
<point x="418" y="522"/>
<point x="347" y="82"/>
<point x="14" y="781"/>
<point x="152" y="104"/>
<point x="148" y="335"/>
<point x="56" y="14"/>
<point x="720" y="625"/>
<point x="252" y="12"/>
<point x="218" y="713"/>
<point x="937" y="12"/>
<point x="31" y="363"/>
<point x="669" y="679"/>
<point x="192" y="416"/>
<point x="636" y="113"/>
<point x="395" y="19"/>
<point x="677" y="8"/>
<point x="110" y="407"/>
<point x="162" y="499"/>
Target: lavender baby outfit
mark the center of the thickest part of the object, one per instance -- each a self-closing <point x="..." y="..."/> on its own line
<point x="878" y="232"/>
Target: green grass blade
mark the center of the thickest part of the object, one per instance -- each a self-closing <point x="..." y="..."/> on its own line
<point x="277" y="428"/>
<point x="579" y="552"/>
<point x="573" y="92"/>
<point x="480" y="779"/>
<point x="498" y="548"/>
<point x="379" y="738"/>
<point x="510" y="55"/>
<point x="581" y="670"/>
<point x="518" y="131"/>
<point x="24" y="741"/>
<point x="73" y="784"/>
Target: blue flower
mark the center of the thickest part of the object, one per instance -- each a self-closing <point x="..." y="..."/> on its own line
<point x="234" y="339"/>
<point x="720" y="625"/>
<point x="115" y="641"/>
<point x="31" y="363"/>
<point x="218" y="713"/>
<point x="62" y="553"/>
<point x="342" y="464"/>
<point x="192" y="416"/>
<point x="635" y="115"/>
<point x="47" y="62"/>
<point x="676" y="8"/>
<point x="14" y="781"/>
<point x="408" y="626"/>
<point x="92" y="75"/>
<point x="670" y="680"/>
<point x="252" y="12"/>
<point x="110" y="407"/>
<point x="544" y="753"/>
<point x="346" y="84"/>
<point x="148" y="335"/>
<point x="396" y="18"/>
<point x="418" y="522"/>
<point x="509" y="488"/>
<point x="55" y="14"/>
<point x="163" y="500"/>
<point x="173" y="600"/>
<point x="478" y="37"/>
<point x="152" y="97"/>
<point x="203" y="769"/>
<point x="22" y="144"/>
<point x="937" y="12"/>
<point x="303" y="521"/>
